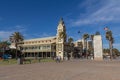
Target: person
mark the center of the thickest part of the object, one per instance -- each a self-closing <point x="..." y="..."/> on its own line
<point x="68" y="56"/>
<point x="58" y="58"/>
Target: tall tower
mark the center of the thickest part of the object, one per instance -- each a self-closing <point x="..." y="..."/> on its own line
<point x="61" y="39"/>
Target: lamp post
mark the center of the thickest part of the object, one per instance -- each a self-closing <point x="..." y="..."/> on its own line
<point x="20" y="56"/>
<point x="79" y="32"/>
<point x="80" y="45"/>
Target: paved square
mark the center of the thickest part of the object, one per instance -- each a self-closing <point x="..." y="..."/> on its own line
<point x="69" y="70"/>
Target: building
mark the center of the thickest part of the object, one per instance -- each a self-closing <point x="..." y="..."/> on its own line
<point x="48" y="46"/>
<point x="81" y="43"/>
<point x="80" y="48"/>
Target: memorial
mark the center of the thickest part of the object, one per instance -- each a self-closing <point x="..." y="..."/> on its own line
<point x="98" y="49"/>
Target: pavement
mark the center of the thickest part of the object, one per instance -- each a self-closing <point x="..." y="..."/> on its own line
<point x="67" y="70"/>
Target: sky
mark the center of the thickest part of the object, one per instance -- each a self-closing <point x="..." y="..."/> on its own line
<point x="40" y="18"/>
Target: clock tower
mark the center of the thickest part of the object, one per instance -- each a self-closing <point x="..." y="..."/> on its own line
<point x="61" y="39"/>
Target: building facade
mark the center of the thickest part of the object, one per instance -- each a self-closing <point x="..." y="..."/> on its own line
<point x="81" y="43"/>
<point x="48" y="46"/>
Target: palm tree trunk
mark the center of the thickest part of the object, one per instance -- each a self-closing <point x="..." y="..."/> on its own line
<point x="16" y="51"/>
<point x="92" y="50"/>
<point x="110" y="46"/>
<point x="3" y="52"/>
<point x="86" y="49"/>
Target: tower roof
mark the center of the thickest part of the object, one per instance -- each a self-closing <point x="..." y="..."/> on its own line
<point x="61" y="21"/>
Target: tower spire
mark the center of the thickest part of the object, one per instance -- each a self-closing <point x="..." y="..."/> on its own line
<point x="61" y="21"/>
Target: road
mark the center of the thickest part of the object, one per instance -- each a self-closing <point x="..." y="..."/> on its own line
<point x="68" y="70"/>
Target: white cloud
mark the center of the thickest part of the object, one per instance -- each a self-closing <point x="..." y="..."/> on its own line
<point x="109" y="12"/>
<point x="116" y="45"/>
<point x="4" y="35"/>
<point x="38" y="35"/>
<point x="19" y="28"/>
<point x="45" y="35"/>
<point x="116" y="35"/>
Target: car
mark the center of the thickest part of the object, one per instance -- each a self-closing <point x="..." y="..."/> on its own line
<point x="6" y="56"/>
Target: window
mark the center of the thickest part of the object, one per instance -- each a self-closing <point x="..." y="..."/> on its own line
<point x="39" y="47"/>
<point x="48" y="46"/>
<point x="44" y="47"/>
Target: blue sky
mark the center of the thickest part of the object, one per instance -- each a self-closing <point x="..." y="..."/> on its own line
<point x="39" y="18"/>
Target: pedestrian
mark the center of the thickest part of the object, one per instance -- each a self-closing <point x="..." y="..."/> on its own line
<point x="58" y="58"/>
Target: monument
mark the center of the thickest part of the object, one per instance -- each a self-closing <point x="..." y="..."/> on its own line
<point x="98" y="49"/>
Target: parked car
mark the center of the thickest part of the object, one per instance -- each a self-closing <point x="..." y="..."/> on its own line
<point x="6" y="56"/>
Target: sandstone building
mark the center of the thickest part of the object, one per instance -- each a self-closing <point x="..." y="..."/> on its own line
<point x="48" y="46"/>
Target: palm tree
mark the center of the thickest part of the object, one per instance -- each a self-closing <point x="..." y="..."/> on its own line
<point x="110" y="38"/>
<point x="70" y="40"/>
<point x="70" y="43"/>
<point x="85" y="37"/>
<point x="91" y="49"/>
<point x="16" y="38"/>
<point x="92" y="37"/>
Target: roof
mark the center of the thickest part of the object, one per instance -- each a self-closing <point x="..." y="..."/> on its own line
<point x="45" y="38"/>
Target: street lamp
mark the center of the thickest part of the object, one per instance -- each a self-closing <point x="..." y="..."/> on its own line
<point x="79" y="32"/>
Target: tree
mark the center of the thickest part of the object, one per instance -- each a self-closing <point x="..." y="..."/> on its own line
<point x="80" y="48"/>
<point x="90" y="46"/>
<point x="106" y="51"/>
<point x="16" y="38"/>
<point x="91" y="49"/>
<point x="97" y="33"/>
<point x="91" y="37"/>
<point x="4" y="45"/>
<point x="70" y="40"/>
<point x="116" y="52"/>
<point x="85" y="37"/>
<point x="71" y="45"/>
<point x="110" y="38"/>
